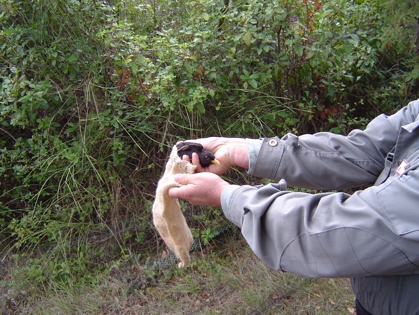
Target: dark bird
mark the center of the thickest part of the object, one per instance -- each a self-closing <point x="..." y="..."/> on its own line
<point x="205" y="157"/>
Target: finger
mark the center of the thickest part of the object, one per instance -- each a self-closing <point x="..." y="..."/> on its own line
<point x="181" y="179"/>
<point x="195" y="161"/>
<point x="173" y="192"/>
<point x="185" y="158"/>
<point x="209" y="143"/>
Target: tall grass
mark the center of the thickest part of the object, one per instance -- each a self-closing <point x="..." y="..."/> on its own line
<point x="228" y="281"/>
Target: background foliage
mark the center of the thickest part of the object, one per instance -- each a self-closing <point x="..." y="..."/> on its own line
<point x="93" y="93"/>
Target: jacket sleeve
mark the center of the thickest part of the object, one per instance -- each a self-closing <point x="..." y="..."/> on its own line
<point x="332" y="234"/>
<point x="326" y="160"/>
<point x="372" y="232"/>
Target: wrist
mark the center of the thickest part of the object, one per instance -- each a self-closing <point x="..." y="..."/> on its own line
<point x="221" y="189"/>
<point x="239" y="153"/>
<point x="253" y="147"/>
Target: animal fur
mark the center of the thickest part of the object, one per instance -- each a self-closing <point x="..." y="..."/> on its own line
<point x="167" y="214"/>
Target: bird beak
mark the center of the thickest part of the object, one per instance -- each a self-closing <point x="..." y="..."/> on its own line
<point x="216" y="162"/>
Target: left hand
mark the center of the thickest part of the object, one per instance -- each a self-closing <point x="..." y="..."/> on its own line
<point x="229" y="151"/>
<point x="199" y="188"/>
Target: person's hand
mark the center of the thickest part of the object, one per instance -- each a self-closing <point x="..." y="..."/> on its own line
<point x="199" y="189"/>
<point x="228" y="151"/>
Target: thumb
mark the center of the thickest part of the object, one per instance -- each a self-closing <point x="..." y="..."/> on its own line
<point x="181" y="179"/>
<point x="177" y="192"/>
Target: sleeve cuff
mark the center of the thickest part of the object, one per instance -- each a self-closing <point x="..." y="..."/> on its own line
<point x="253" y="147"/>
<point x="226" y="195"/>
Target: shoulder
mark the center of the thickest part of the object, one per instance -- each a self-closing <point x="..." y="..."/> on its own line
<point x="405" y="116"/>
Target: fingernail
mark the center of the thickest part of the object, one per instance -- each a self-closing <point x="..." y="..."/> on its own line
<point x="177" y="178"/>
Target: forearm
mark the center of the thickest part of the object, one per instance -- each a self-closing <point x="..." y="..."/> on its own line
<point x="326" y="160"/>
<point x="325" y="235"/>
<point x="372" y="232"/>
<point x="330" y="161"/>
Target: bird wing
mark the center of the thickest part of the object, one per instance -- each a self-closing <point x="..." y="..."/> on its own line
<point x="185" y="145"/>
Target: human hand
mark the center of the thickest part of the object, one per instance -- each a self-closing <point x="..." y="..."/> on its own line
<point x="199" y="188"/>
<point x="228" y="151"/>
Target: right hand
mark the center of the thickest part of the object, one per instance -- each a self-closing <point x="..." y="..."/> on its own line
<point x="229" y="151"/>
<point x="199" y="189"/>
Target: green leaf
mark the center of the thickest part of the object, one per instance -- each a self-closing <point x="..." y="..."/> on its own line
<point x="299" y="50"/>
<point x="134" y="68"/>
<point x="247" y="38"/>
<point x="72" y="57"/>
<point x="108" y="40"/>
<point x="253" y="83"/>
<point x="141" y="60"/>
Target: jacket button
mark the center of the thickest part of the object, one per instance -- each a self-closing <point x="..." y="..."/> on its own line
<point x="273" y="142"/>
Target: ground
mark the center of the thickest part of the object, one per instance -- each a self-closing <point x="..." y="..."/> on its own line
<point x="223" y="278"/>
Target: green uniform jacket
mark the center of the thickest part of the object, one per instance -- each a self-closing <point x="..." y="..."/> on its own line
<point x="371" y="236"/>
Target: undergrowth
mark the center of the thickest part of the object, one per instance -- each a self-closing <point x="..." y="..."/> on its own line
<point x="228" y="280"/>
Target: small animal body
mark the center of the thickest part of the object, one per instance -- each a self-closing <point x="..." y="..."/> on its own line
<point x="167" y="214"/>
<point x="187" y="148"/>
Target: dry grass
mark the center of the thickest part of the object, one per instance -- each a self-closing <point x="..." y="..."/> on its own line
<point x="230" y="280"/>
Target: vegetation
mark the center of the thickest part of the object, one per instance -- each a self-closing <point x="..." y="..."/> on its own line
<point x="94" y="93"/>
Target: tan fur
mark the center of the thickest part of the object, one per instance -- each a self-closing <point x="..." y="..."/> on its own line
<point x="167" y="215"/>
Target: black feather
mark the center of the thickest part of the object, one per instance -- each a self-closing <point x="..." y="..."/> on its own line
<point x="187" y="148"/>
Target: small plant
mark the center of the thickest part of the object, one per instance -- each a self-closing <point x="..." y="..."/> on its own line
<point x="208" y="234"/>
